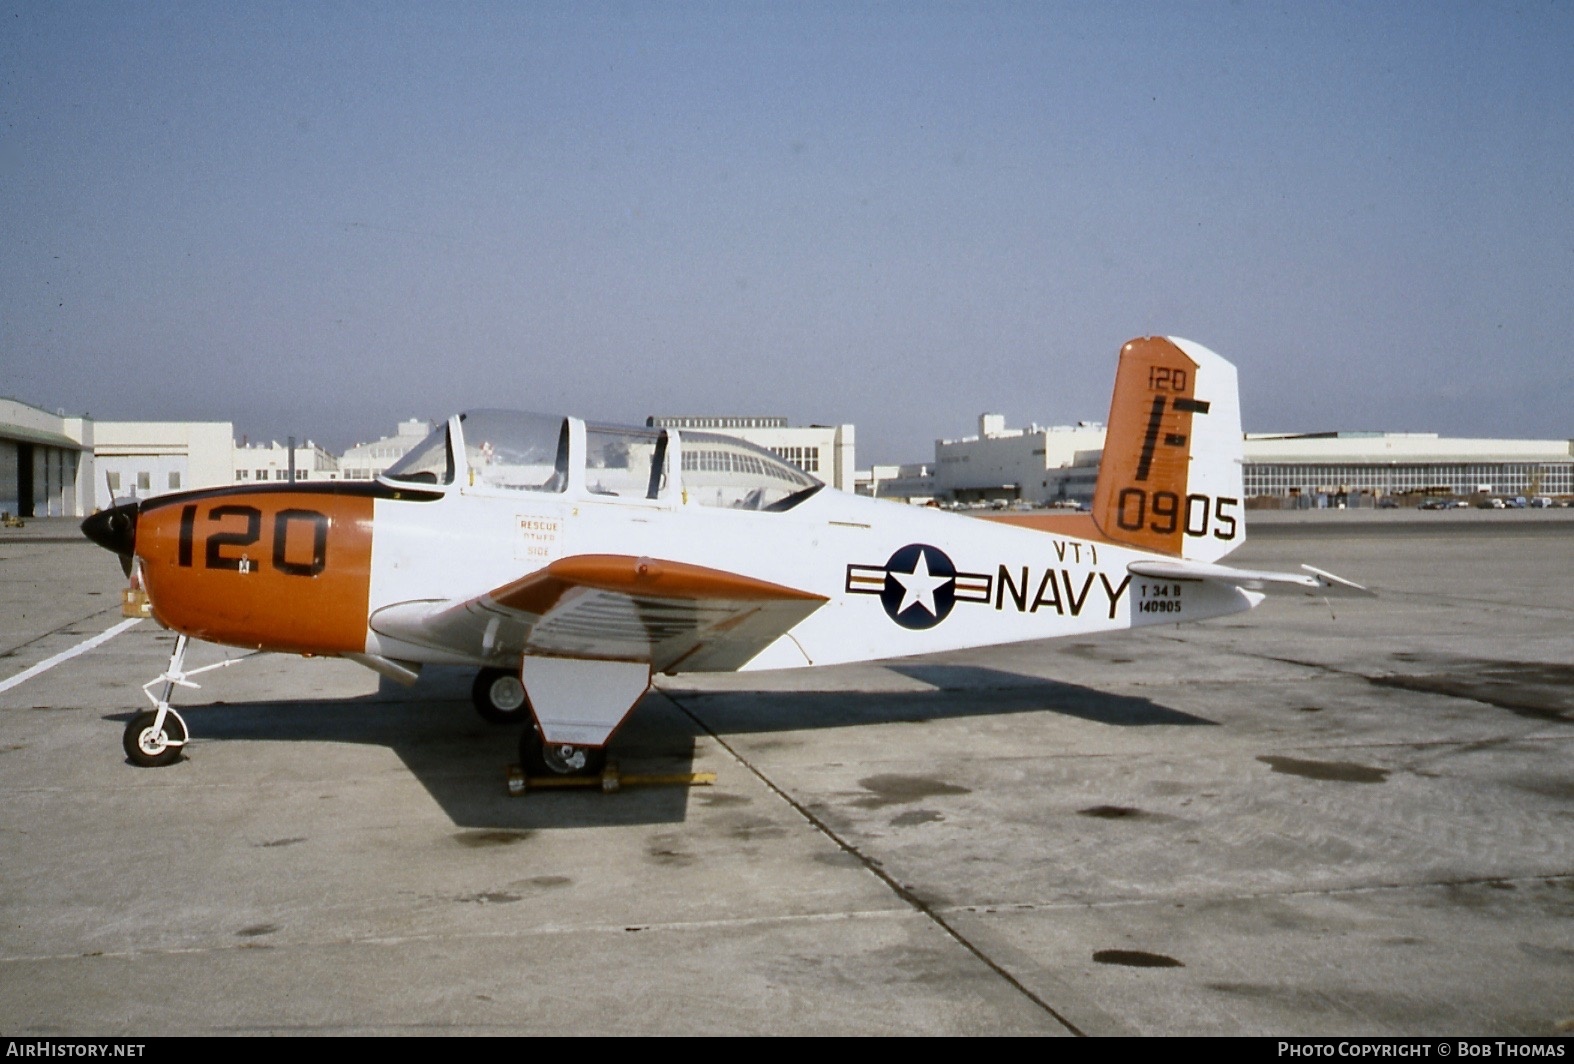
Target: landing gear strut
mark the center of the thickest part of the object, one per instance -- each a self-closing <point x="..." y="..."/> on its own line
<point x="155" y="738"/>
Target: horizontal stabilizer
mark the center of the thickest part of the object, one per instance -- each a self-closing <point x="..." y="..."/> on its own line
<point x="1312" y="582"/>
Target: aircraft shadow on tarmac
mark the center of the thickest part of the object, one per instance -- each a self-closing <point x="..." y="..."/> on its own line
<point x="959" y="691"/>
<point x="461" y="760"/>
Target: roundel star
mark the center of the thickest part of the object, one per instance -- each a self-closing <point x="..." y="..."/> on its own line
<point x="920" y="585"/>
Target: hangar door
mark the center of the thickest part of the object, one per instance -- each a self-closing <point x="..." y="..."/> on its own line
<point x="14" y="458"/>
<point x="16" y="478"/>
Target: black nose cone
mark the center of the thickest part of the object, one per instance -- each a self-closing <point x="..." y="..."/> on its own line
<point x="114" y="529"/>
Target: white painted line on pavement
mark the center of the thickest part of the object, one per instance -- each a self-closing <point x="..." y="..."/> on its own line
<point x="81" y="648"/>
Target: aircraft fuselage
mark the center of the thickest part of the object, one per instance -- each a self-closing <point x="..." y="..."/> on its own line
<point x="305" y="568"/>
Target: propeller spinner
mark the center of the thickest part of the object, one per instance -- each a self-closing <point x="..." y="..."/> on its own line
<point x="115" y="530"/>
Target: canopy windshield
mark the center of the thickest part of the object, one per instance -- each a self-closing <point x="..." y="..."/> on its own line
<point x="429" y="462"/>
<point x="520" y="452"/>
<point x="725" y="471"/>
<point x="625" y="461"/>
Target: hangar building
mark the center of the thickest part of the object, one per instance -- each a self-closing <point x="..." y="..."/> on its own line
<point x="1042" y="466"/>
<point x="1377" y="464"/>
<point x="46" y="462"/>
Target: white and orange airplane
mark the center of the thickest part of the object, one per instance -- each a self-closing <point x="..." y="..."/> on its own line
<point x="573" y="561"/>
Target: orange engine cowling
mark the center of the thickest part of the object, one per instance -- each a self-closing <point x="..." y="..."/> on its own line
<point x="275" y="569"/>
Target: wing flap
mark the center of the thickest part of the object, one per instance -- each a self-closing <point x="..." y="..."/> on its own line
<point x="668" y="614"/>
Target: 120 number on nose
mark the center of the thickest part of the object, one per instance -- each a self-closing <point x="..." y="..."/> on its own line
<point x="218" y="543"/>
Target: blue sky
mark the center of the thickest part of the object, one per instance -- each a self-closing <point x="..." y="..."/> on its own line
<point x="319" y="218"/>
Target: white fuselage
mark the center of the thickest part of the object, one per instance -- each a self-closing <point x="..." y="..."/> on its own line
<point x="1005" y="583"/>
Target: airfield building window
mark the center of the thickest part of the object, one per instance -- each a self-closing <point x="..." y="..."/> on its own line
<point x="515" y="451"/>
<point x="428" y="462"/>
<point x="144" y="481"/>
<point x="627" y="462"/>
<point x="727" y="472"/>
<point x="805" y="458"/>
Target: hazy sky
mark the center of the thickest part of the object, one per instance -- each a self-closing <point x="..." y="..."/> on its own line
<point x="320" y="218"/>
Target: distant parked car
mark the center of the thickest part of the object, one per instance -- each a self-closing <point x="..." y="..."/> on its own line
<point x="1490" y="504"/>
<point x="1458" y="504"/>
<point x="1434" y="504"/>
<point x="1540" y="502"/>
<point x="1516" y="503"/>
<point x="1388" y="504"/>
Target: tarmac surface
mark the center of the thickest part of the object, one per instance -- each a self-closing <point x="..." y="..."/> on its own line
<point x="1299" y="821"/>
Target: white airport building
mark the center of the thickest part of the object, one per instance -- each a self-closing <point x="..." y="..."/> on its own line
<point x="823" y="451"/>
<point x="141" y="459"/>
<point x="912" y="482"/>
<point x="365" y="461"/>
<point x="1039" y="466"/>
<point x="52" y="465"/>
<point x="257" y="463"/>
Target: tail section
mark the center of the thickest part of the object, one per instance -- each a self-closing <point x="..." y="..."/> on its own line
<point x="1170" y="480"/>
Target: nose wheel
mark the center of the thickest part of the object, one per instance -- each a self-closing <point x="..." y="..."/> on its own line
<point x="154" y="743"/>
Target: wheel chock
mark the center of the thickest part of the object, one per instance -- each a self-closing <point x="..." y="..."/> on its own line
<point x="609" y="782"/>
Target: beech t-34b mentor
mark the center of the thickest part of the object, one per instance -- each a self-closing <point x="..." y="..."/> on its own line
<point x="572" y="561"/>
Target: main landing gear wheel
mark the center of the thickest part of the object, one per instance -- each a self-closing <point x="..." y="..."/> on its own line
<point x="499" y="696"/>
<point x="150" y="747"/>
<point x="558" y="759"/>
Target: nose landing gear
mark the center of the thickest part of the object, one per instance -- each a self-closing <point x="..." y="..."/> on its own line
<point x="155" y="737"/>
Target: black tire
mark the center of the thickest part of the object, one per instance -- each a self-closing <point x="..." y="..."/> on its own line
<point x="558" y="759"/>
<point x="148" y="749"/>
<point x="499" y="696"/>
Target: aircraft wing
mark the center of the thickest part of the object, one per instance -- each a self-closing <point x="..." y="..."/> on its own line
<point x="1311" y="581"/>
<point x="615" y="607"/>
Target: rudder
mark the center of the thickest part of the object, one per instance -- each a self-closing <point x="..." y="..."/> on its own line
<point x="1170" y="480"/>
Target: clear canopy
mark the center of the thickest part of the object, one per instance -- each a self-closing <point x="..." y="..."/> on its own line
<point x="521" y="452"/>
<point x="529" y="452"/>
<point x="725" y="471"/>
<point x="624" y="461"/>
<point x="428" y="462"/>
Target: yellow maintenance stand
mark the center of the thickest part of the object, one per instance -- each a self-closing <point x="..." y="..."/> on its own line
<point x="609" y="782"/>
